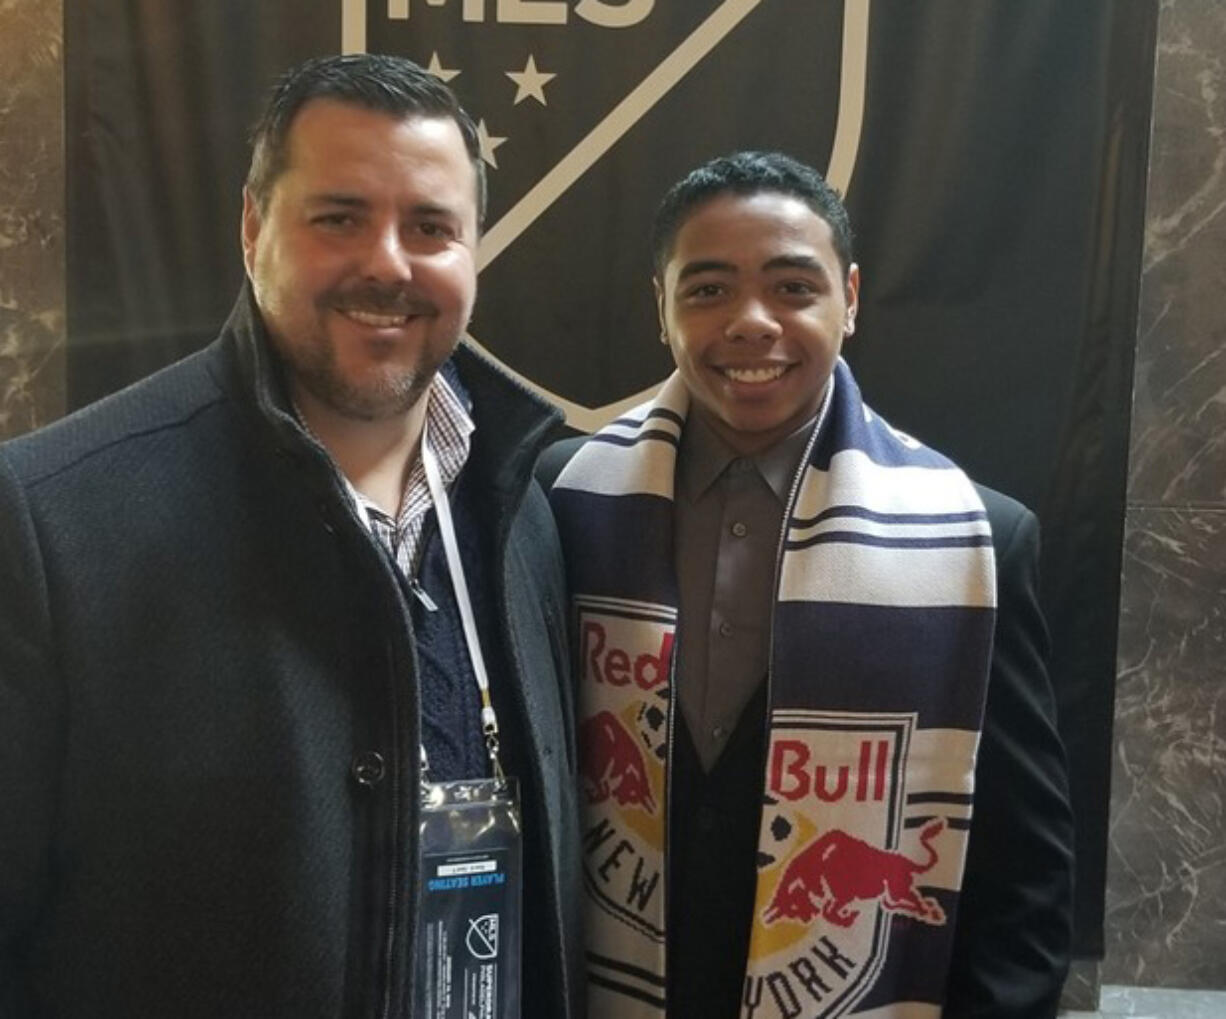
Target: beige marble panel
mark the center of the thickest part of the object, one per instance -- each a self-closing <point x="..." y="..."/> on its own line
<point x="1166" y="887"/>
<point x="32" y="266"/>
<point x="1166" y="897"/>
<point x="1178" y="454"/>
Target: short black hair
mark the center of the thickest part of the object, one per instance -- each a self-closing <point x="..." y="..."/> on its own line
<point x="387" y="84"/>
<point x="749" y="173"/>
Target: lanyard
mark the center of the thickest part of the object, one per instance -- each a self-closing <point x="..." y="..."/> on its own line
<point x="438" y="493"/>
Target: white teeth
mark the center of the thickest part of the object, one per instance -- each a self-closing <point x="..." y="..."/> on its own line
<point x="369" y="318"/>
<point x="754" y="374"/>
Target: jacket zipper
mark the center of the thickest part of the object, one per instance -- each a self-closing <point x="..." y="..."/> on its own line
<point x="668" y="787"/>
<point x="399" y="866"/>
<point x="789" y="506"/>
<point x="384" y="1008"/>
<point x="793" y="494"/>
<point x="397" y="853"/>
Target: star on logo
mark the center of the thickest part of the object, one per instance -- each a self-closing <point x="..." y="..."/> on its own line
<point x="530" y="82"/>
<point x="488" y="143"/>
<point x="436" y="68"/>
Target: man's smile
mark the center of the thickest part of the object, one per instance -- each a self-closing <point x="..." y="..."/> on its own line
<point x="765" y="373"/>
<point x="375" y="320"/>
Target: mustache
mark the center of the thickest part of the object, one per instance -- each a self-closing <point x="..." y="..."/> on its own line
<point x="381" y="300"/>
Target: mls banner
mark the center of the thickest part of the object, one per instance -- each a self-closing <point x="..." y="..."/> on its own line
<point x="992" y="153"/>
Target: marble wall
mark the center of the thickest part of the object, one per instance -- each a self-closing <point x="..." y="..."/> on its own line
<point x="1166" y="893"/>
<point x="32" y="269"/>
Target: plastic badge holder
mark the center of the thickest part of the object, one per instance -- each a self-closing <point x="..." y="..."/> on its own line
<point x="470" y="932"/>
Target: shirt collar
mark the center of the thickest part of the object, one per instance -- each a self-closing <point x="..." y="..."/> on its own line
<point x="778" y="464"/>
<point x="704" y="456"/>
<point x="449" y="428"/>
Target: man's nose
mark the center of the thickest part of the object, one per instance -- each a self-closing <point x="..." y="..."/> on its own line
<point x="388" y="258"/>
<point x="752" y="321"/>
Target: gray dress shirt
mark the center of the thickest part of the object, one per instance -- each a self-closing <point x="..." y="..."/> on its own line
<point x="729" y="513"/>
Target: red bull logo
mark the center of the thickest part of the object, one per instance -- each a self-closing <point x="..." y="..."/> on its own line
<point x="837" y="871"/>
<point x="612" y="765"/>
<point x="606" y="662"/>
<point x="852" y="864"/>
<point x="794" y="774"/>
<point x="625" y="652"/>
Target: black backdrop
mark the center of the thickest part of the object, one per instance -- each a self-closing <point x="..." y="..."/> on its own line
<point x="997" y="196"/>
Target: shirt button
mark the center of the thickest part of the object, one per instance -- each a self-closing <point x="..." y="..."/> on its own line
<point x="368" y="768"/>
<point x="725" y="629"/>
<point x="719" y="732"/>
<point x="739" y="530"/>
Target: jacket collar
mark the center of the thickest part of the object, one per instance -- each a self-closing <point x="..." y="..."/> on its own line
<point x="513" y="424"/>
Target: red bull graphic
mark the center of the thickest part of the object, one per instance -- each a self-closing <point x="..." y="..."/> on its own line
<point x="606" y="662"/>
<point x="625" y="659"/>
<point x="838" y="870"/>
<point x="844" y="861"/>
<point x="611" y="764"/>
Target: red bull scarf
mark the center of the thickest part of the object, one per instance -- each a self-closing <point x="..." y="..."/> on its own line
<point x="882" y="632"/>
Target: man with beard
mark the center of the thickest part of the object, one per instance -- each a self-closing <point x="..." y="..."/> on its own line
<point x="817" y="745"/>
<point x="234" y="641"/>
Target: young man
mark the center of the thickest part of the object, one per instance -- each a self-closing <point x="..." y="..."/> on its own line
<point x="229" y="635"/>
<point x="790" y="619"/>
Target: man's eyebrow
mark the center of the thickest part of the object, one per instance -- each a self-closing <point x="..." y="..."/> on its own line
<point x="344" y="200"/>
<point x="795" y="262"/>
<point x="432" y="209"/>
<point x="340" y="198"/>
<point x="707" y="265"/>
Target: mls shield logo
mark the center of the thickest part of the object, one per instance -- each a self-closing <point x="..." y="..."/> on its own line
<point x="482" y="936"/>
<point x="587" y="111"/>
<point x="838" y="861"/>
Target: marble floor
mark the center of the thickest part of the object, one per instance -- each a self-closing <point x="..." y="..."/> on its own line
<point x="1155" y="1003"/>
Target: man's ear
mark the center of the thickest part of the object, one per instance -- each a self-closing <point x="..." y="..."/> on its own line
<point x="852" y="298"/>
<point x="658" y="287"/>
<point x="250" y="230"/>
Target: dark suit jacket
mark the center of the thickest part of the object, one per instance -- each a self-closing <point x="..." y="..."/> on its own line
<point x="1011" y="946"/>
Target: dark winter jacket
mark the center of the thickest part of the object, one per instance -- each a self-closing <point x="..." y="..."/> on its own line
<point x="209" y="707"/>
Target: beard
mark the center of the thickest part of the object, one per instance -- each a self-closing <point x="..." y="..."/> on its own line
<point x="382" y="390"/>
<point x="388" y="392"/>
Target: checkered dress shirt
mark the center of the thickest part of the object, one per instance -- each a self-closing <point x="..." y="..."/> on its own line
<point x="449" y="429"/>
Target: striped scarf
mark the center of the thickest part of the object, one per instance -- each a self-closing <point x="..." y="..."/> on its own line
<point x="881" y="638"/>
